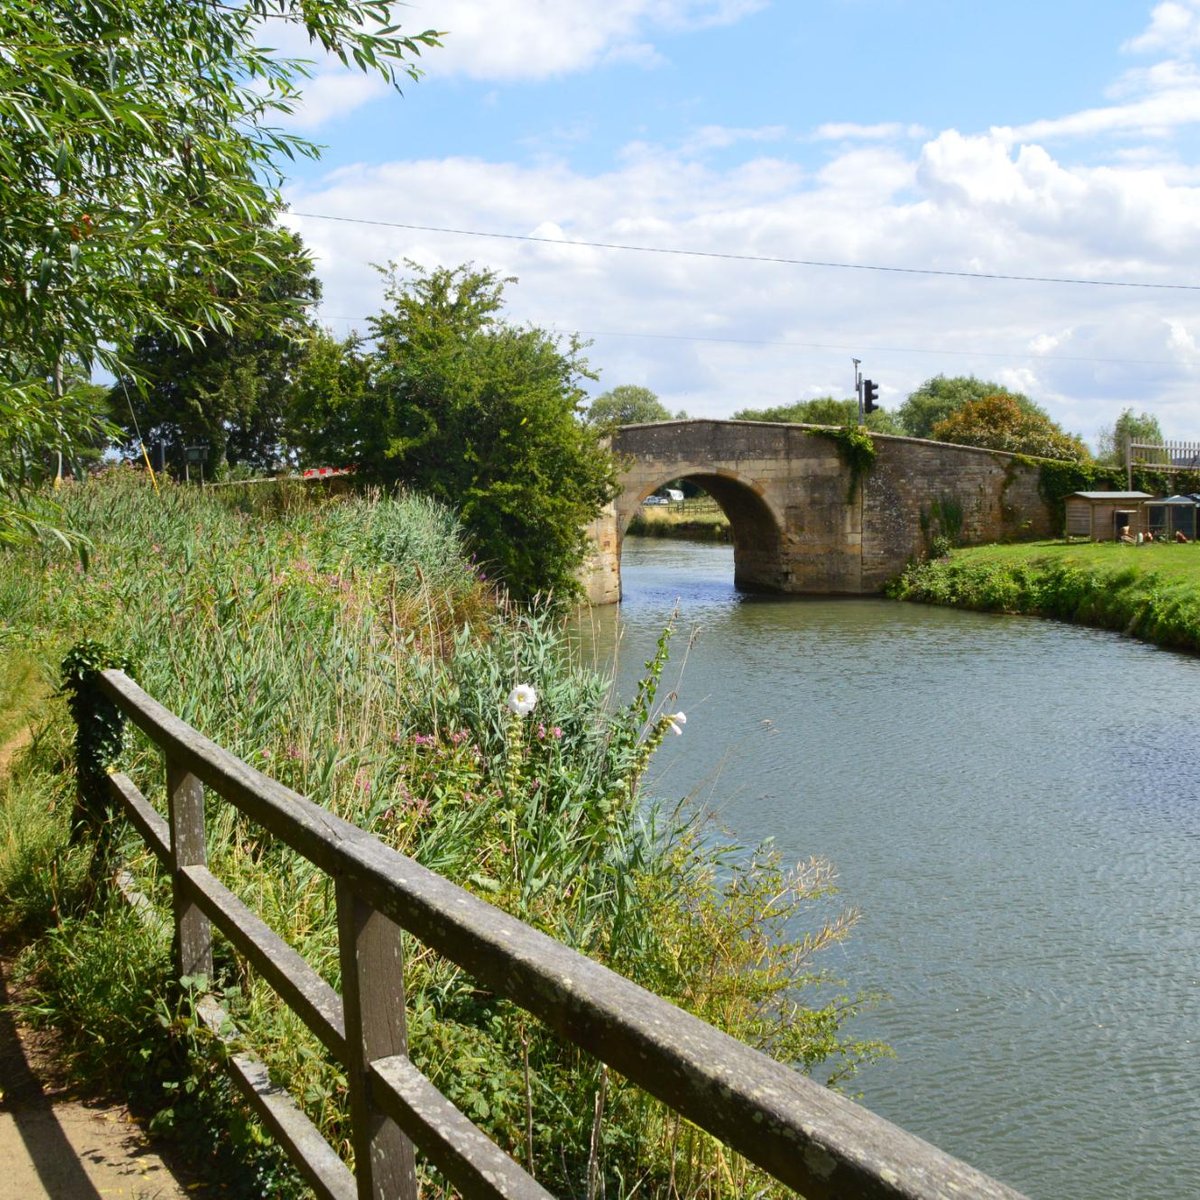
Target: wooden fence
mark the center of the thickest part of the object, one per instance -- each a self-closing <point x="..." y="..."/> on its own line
<point x="808" y="1137"/>
<point x="1161" y="456"/>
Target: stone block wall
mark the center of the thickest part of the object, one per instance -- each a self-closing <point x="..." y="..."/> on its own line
<point x="786" y="493"/>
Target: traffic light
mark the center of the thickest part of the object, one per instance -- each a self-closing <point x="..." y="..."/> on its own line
<point x="870" y="395"/>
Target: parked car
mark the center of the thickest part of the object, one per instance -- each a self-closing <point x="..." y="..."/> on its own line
<point x="655" y="500"/>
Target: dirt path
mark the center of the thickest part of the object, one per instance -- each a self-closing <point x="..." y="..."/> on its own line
<point x="57" y="1145"/>
<point x="13" y="747"/>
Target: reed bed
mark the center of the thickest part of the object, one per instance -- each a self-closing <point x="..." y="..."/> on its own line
<point x="351" y="648"/>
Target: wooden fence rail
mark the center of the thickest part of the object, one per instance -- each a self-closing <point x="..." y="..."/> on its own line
<point x="808" y="1137"/>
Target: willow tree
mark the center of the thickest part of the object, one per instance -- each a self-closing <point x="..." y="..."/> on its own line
<point x="140" y="166"/>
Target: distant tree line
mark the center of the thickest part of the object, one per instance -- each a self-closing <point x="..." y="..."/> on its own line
<point x="968" y="411"/>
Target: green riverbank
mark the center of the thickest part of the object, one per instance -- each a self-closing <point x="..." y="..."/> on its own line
<point x="1149" y="592"/>
<point x="698" y="519"/>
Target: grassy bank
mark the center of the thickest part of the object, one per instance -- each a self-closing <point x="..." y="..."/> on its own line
<point x="699" y="519"/>
<point x="1151" y="592"/>
<point x="351" y="649"/>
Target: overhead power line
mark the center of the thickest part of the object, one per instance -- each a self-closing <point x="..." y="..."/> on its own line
<point x="757" y="258"/>
<point x="935" y="351"/>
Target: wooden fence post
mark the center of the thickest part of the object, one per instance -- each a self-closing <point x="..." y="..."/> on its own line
<point x="373" y="999"/>
<point x="185" y="806"/>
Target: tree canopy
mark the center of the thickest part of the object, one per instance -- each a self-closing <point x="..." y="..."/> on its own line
<point x="230" y="391"/>
<point x="1000" y="422"/>
<point x="626" y="404"/>
<point x="480" y="413"/>
<point x="824" y="410"/>
<point x="140" y="161"/>
<point x="942" y="396"/>
<point x="1142" y="427"/>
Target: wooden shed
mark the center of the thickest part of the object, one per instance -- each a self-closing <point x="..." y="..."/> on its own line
<point x="1100" y="516"/>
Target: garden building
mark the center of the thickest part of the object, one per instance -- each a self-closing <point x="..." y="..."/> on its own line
<point x="1174" y="514"/>
<point x="1102" y="516"/>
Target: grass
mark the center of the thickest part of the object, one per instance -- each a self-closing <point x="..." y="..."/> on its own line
<point x="350" y="648"/>
<point x="23" y="694"/>
<point x="697" y="519"/>
<point x="1151" y="591"/>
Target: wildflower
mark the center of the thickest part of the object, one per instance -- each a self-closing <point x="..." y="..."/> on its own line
<point x="556" y="733"/>
<point x="541" y="732"/>
<point x="522" y="699"/>
<point x="676" y="721"/>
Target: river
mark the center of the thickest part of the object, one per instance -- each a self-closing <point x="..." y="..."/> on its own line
<point x="1013" y="806"/>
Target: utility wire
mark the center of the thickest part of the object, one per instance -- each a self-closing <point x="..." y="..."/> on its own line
<point x="855" y="346"/>
<point x="758" y="258"/>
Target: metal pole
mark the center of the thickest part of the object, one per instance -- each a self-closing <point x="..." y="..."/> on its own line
<point x="858" y="387"/>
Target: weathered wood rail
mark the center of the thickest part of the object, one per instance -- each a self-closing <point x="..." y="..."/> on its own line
<point x="808" y="1137"/>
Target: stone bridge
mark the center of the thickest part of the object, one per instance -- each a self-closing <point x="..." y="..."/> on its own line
<point x="798" y="526"/>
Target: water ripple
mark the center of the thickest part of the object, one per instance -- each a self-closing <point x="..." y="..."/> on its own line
<point x="1015" y="807"/>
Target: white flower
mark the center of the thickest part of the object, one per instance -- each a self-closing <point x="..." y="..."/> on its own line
<point x="522" y="700"/>
<point x="676" y="721"/>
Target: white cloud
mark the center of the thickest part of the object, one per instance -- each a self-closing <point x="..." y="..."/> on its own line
<point x="504" y="42"/>
<point x="1150" y="102"/>
<point x="848" y="131"/>
<point x="962" y="202"/>
<point x="722" y="137"/>
<point x="332" y="94"/>
<point x="1174" y="27"/>
<point x="1153" y="116"/>
<point x="713" y="334"/>
<point x="1182" y="340"/>
<point x="532" y="39"/>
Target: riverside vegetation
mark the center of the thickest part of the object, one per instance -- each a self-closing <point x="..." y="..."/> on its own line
<point x="698" y="518"/>
<point x="352" y="649"/>
<point x="1151" y="592"/>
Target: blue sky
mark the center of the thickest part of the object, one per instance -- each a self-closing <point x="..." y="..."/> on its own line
<point x="1052" y="139"/>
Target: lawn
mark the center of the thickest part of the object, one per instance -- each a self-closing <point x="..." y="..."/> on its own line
<point x="1151" y="592"/>
<point x="1172" y="563"/>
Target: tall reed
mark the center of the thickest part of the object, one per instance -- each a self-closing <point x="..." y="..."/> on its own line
<point x="351" y="649"/>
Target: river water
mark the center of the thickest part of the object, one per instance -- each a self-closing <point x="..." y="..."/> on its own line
<point x="1014" y="808"/>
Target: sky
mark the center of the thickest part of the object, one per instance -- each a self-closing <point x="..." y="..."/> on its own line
<point x="911" y="146"/>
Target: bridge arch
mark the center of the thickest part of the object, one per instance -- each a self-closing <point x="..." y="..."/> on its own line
<point x="800" y="522"/>
<point x="755" y="523"/>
